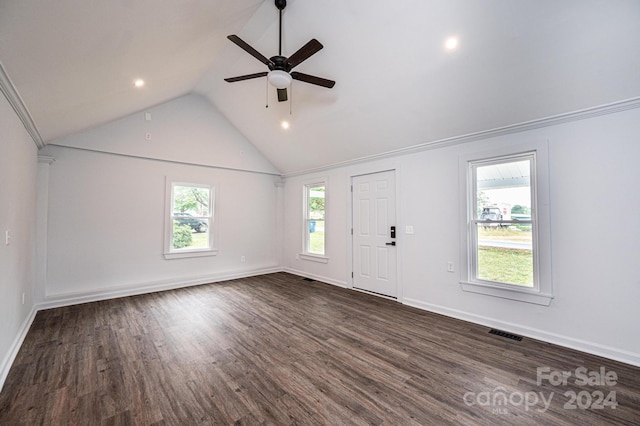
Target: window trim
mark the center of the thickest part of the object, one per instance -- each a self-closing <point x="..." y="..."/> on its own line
<point x="169" y="252"/>
<point x="542" y="291"/>
<point x="305" y="254"/>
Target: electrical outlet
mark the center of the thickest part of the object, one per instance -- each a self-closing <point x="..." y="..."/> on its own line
<point x="242" y="258"/>
<point x="147" y="136"/>
<point x="450" y="266"/>
<point x="408" y="229"/>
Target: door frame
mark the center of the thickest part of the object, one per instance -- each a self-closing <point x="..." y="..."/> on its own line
<point x="399" y="233"/>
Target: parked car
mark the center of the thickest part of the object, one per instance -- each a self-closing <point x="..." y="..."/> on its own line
<point x="198" y="225"/>
<point x="491" y="213"/>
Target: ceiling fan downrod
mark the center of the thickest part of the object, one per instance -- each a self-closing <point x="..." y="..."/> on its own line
<point x="280" y="4"/>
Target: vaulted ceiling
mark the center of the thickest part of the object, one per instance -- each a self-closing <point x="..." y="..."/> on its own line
<point x="73" y="63"/>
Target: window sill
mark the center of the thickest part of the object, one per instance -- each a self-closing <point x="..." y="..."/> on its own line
<point x="314" y="257"/>
<point x="507" y="293"/>
<point x="190" y="253"/>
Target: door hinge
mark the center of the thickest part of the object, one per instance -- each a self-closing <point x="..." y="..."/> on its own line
<point x="351" y="274"/>
<point x="351" y="231"/>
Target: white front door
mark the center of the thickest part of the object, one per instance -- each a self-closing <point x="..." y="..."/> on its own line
<point x="374" y="250"/>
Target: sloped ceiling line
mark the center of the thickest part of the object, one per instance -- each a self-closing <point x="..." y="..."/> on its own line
<point x="12" y="95"/>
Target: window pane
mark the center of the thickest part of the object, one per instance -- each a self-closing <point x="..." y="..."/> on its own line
<point x="316" y="202"/>
<point x="315" y="216"/>
<point x="191" y="199"/>
<point x="505" y="250"/>
<point x="503" y="191"/>
<point x="505" y="254"/>
<point x="191" y="217"/>
<point x="192" y="234"/>
<point x="316" y="237"/>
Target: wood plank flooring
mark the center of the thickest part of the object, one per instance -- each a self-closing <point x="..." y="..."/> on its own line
<point x="276" y="349"/>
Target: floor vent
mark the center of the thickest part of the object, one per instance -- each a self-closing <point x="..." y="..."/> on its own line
<point x="505" y="334"/>
<point x="308" y="279"/>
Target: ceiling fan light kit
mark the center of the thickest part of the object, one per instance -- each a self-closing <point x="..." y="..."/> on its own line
<point x="280" y="75"/>
<point x="279" y="79"/>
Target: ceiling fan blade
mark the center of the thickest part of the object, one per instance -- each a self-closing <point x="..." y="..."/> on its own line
<point x="312" y="79"/>
<point x="282" y="95"/>
<point x="303" y="53"/>
<point x="245" y="77"/>
<point x="253" y="52"/>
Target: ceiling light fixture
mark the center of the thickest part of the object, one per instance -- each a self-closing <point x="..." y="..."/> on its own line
<point x="285" y="124"/>
<point x="279" y="79"/>
<point x="451" y="43"/>
<point x="138" y="83"/>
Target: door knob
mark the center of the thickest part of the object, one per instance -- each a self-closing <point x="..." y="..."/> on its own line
<point x="392" y="243"/>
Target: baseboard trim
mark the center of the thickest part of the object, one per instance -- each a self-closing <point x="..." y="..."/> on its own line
<point x="534" y="333"/>
<point x="150" y="287"/>
<point x="7" y="362"/>
<point x="305" y="274"/>
<point x="68" y="299"/>
<point x="57" y="301"/>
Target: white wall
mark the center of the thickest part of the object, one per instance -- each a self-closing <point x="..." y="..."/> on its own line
<point x="595" y="251"/>
<point x="18" y="170"/>
<point x="106" y="210"/>
<point x="187" y="129"/>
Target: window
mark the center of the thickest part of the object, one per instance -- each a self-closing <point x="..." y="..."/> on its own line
<point x="189" y="220"/>
<point x="314" y="221"/>
<point x="506" y="233"/>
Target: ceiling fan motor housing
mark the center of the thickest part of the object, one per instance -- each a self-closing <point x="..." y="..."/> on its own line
<point x="279" y="63"/>
<point x="281" y="4"/>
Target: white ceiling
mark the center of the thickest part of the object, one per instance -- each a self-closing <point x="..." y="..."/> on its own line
<point x="73" y="63"/>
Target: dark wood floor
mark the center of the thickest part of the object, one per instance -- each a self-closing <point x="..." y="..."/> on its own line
<point x="277" y="349"/>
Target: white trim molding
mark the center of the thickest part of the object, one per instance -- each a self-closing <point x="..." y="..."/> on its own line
<point x="534" y="333"/>
<point x="563" y="118"/>
<point x="11" y="93"/>
<point x="68" y="299"/>
<point x="7" y="362"/>
<point x="536" y="153"/>
<point x="46" y="159"/>
<point x="325" y="280"/>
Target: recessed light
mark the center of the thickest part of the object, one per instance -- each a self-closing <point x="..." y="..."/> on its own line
<point x="285" y="124"/>
<point x="451" y="43"/>
<point x="138" y="83"/>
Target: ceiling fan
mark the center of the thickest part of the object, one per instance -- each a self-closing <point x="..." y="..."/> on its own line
<point x="280" y="74"/>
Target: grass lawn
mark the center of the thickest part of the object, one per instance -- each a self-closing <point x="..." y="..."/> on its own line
<point x="198" y="240"/>
<point x="316" y="242"/>
<point x="506" y="265"/>
<point x="504" y="234"/>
